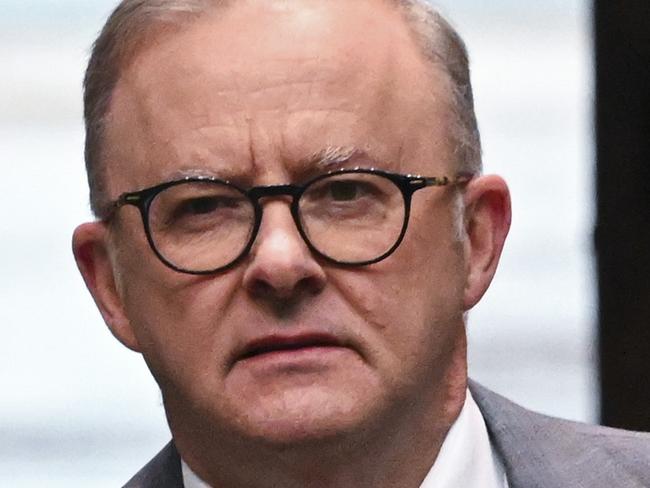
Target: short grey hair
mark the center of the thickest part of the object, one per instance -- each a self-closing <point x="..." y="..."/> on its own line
<point x="133" y="21"/>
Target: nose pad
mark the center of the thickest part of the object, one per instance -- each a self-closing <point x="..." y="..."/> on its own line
<point x="281" y="264"/>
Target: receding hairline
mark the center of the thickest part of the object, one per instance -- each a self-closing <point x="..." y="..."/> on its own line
<point x="124" y="38"/>
<point x="156" y="22"/>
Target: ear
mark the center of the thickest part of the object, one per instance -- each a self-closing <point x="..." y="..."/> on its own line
<point x="487" y="221"/>
<point x="90" y="243"/>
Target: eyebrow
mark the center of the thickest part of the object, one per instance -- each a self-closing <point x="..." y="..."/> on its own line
<point x="326" y="159"/>
<point x="332" y="157"/>
<point x="182" y="173"/>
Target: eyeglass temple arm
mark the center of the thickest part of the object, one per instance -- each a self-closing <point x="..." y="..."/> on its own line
<point x="460" y="179"/>
<point x="125" y="199"/>
<point x="128" y="199"/>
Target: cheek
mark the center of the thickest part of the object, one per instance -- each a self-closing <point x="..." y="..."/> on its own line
<point x="414" y="298"/>
<point x="428" y="265"/>
<point x="415" y="295"/>
<point x="410" y="321"/>
<point x="432" y="251"/>
<point x="173" y="315"/>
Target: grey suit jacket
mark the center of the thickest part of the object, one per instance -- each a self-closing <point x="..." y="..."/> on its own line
<point x="538" y="451"/>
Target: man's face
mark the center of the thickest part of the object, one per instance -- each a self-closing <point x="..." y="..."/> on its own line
<point x="249" y="94"/>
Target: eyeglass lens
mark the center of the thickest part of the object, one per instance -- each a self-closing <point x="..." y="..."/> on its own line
<point x="350" y="218"/>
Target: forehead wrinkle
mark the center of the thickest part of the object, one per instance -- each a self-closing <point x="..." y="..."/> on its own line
<point x="195" y="151"/>
<point x="200" y="105"/>
<point x="313" y="71"/>
<point x="230" y="72"/>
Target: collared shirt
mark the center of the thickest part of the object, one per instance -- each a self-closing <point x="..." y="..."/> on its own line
<point x="466" y="457"/>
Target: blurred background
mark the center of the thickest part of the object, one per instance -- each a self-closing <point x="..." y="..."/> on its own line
<point x="80" y="410"/>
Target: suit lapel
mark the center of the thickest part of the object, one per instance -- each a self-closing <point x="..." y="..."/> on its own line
<point x="163" y="471"/>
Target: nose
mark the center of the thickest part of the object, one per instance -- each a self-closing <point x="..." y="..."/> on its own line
<point x="280" y="265"/>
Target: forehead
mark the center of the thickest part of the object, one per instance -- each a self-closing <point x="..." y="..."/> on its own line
<point x="267" y="81"/>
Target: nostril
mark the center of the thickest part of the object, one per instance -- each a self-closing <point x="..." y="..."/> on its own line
<point x="260" y="288"/>
<point x="312" y="284"/>
<point x="286" y="290"/>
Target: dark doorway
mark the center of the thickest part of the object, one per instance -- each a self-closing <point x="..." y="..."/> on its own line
<point x="622" y="238"/>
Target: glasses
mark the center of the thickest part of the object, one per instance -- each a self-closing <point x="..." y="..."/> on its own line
<point x="353" y="217"/>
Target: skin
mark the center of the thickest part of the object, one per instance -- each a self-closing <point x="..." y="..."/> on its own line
<point x="249" y="94"/>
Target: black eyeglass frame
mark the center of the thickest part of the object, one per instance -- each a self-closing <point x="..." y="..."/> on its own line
<point x="407" y="184"/>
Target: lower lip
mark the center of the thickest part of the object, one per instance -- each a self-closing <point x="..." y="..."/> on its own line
<point x="305" y="356"/>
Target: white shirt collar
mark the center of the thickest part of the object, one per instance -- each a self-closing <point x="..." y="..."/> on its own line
<point x="191" y="480"/>
<point x="466" y="457"/>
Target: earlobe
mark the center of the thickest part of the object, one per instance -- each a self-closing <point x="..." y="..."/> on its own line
<point x="90" y="248"/>
<point x="487" y="220"/>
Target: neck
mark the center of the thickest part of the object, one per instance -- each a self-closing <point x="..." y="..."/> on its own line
<point x="396" y="450"/>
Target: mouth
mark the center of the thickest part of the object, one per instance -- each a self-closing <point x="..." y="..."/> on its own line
<point x="288" y="344"/>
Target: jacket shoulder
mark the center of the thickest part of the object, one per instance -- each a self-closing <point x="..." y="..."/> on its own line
<point x="163" y="471"/>
<point x="538" y="450"/>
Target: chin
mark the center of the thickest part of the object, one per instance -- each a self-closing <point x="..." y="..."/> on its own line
<point x="299" y="416"/>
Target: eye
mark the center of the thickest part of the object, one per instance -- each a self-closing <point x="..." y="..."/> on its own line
<point x="202" y="205"/>
<point x="205" y="207"/>
<point x="348" y="190"/>
<point x="196" y="207"/>
<point x="344" y="190"/>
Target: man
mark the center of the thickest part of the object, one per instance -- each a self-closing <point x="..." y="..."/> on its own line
<point x="299" y="296"/>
